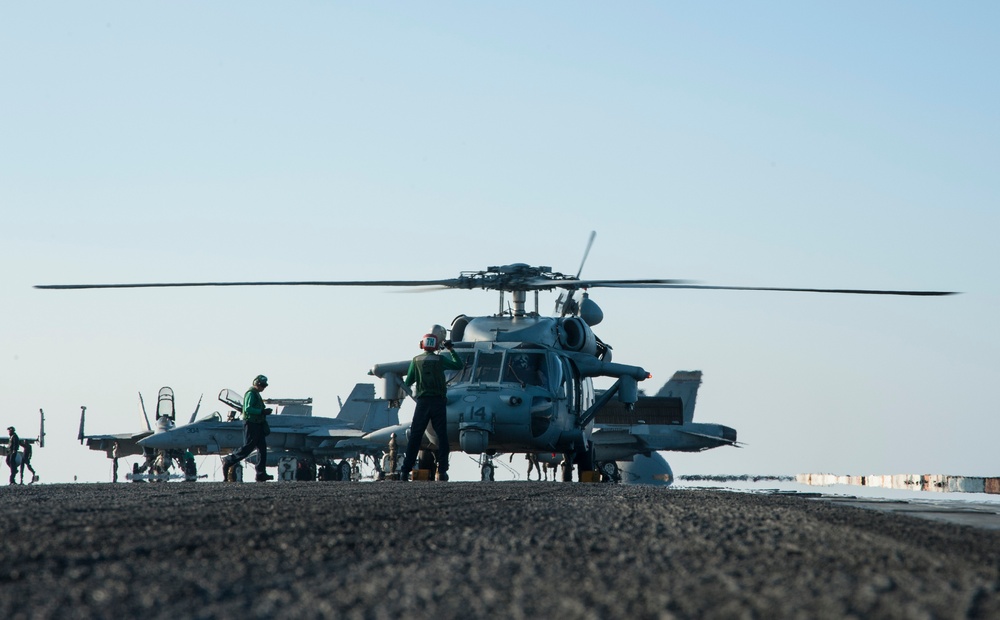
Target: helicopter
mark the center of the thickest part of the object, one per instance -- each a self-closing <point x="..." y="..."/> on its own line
<point x="527" y="382"/>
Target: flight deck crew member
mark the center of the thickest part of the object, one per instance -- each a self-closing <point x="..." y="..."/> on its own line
<point x="255" y="431"/>
<point x="427" y="372"/>
<point x="393" y="458"/>
<point x="26" y="461"/>
<point x="12" y="447"/>
<point x="533" y="465"/>
<point x="115" y="455"/>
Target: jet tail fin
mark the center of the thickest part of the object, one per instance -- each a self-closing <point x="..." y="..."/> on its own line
<point x="196" y="409"/>
<point x="145" y="416"/>
<point x="355" y="409"/>
<point x="381" y="415"/>
<point x="684" y="385"/>
<point x="365" y="411"/>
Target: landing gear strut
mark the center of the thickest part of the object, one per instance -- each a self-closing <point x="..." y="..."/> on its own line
<point x="487" y="470"/>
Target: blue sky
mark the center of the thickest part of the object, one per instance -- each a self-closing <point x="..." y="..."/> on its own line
<point x="770" y="144"/>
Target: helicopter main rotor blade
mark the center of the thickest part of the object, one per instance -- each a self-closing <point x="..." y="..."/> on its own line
<point x="540" y="283"/>
<point x="642" y="283"/>
<point x="847" y="291"/>
<point x="522" y="279"/>
<point x="586" y="252"/>
<point x="446" y="283"/>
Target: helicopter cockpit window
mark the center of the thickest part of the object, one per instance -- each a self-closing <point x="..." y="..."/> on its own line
<point x="488" y="367"/>
<point x="525" y="368"/>
<point x="570" y="385"/>
<point x="555" y="371"/>
<point x="463" y="375"/>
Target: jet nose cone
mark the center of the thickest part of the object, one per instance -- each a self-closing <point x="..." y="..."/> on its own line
<point x="155" y="441"/>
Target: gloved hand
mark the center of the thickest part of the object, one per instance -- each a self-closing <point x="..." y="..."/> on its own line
<point x="267" y="411"/>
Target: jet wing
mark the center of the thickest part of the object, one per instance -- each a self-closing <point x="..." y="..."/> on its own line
<point x="382" y="435"/>
<point x="357" y="443"/>
<point x="211" y="435"/>
<point x="616" y="437"/>
<point x="4" y="441"/>
<point x="335" y="433"/>
<point x="725" y="440"/>
<point x="128" y="443"/>
<point x="339" y="442"/>
<point x="346" y="448"/>
<point x="621" y="442"/>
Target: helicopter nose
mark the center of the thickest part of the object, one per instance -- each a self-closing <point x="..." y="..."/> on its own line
<point x="474" y="440"/>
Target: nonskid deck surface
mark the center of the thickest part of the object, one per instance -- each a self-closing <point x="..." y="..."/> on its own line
<point x="523" y="549"/>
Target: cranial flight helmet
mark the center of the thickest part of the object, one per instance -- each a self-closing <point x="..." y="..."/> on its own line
<point x="439" y="332"/>
<point x="429" y="342"/>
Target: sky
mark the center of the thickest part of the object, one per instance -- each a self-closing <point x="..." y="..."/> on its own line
<point x="833" y="145"/>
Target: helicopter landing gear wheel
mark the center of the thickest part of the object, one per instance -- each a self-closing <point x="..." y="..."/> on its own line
<point x="609" y="471"/>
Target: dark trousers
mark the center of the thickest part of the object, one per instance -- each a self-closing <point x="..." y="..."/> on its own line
<point x="433" y="410"/>
<point x="12" y="463"/>
<point x="26" y="463"/>
<point x="254" y="438"/>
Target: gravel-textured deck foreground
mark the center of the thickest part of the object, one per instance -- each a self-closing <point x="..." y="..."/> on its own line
<point x="446" y="550"/>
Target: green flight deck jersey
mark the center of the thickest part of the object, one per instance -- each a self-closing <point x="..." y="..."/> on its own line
<point x="253" y="406"/>
<point x="427" y="371"/>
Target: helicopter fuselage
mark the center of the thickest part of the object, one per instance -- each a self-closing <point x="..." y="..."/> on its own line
<point x="525" y="386"/>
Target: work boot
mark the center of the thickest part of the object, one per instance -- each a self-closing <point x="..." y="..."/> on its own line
<point x="404" y="476"/>
<point x="442" y="476"/>
<point x="264" y="477"/>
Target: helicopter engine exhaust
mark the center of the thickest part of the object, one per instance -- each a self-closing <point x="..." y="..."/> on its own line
<point x="576" y="335"/>
<point x="458" y="327"/>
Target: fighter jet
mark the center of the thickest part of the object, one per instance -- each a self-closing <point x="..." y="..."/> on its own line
<point x="121" y="445"/>
<point x="128" y="443"/>
<point x="298" y="440"/>
<point x="664" y="422"/>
